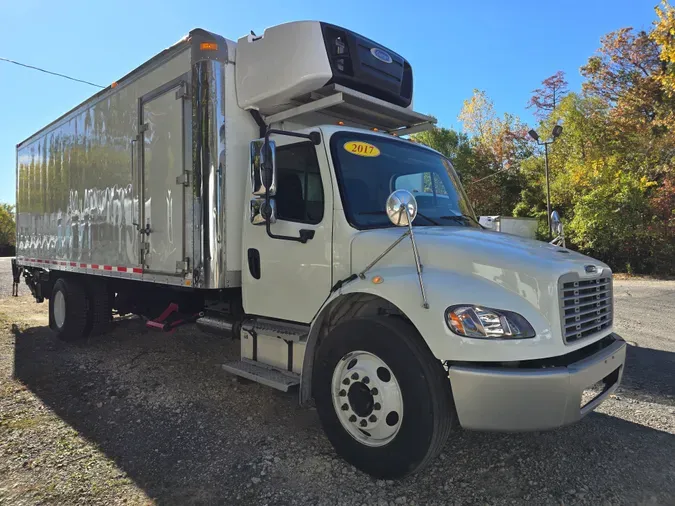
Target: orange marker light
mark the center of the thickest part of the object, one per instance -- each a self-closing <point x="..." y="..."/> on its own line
<point x="208" y="46"/>
<point x="341" y="123"/>
<point x="457" y="323"/>
<point x="114" y="85"/>
<point x="377" y="280"/>
<point x="376" y="129"/>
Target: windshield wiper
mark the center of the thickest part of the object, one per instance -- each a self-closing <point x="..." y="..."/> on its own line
<point x="434" y="222"/>
<point x="458" y="217"/>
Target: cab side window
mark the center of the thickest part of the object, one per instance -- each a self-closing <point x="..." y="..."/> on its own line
<point x="299" y="195"/>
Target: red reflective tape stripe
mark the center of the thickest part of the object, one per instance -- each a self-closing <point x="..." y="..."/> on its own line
<point x="135" y="270"/>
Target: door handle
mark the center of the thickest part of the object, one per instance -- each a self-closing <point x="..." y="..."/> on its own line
<point x="254" y="262"/>
<point x="131" y="144"/>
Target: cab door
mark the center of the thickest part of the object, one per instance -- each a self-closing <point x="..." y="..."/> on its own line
<point x="283" y="278"/>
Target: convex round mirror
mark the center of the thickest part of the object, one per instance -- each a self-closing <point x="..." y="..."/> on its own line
<point x="556" y="224"/>
<point x="396" y="206"/>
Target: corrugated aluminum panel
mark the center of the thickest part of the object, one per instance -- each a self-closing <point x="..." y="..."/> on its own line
<point x="76" y="199"/>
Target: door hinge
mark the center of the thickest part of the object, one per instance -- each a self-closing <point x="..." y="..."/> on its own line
<point x="184" y="179"/>
<point x="145" y="253"/>
<point x="143" y="127"/>
<point x="182" y="92"/>
<point x="183" y="266"/>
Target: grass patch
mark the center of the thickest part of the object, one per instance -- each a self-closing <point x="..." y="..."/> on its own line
<point x="22" y="423"/>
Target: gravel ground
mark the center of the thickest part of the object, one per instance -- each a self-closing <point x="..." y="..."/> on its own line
<point x="141" y="417"/>
<point x="6" y="279"/>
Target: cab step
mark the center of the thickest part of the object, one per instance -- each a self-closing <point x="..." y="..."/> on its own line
<point x="265" y="375"/>
<point x="282" y="330"/>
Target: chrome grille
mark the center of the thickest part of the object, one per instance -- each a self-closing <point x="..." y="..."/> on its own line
<point x="585" y="306"/>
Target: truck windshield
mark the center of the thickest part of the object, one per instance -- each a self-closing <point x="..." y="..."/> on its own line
<point x="370" y="167"/>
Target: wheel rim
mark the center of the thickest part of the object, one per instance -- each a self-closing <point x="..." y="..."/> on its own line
<point x="367" y="398"/>
<point x="59" y="309"/>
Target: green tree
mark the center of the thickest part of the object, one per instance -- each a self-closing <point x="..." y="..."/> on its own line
<point x="454" y="145"/>
<point x="7" y="225"/>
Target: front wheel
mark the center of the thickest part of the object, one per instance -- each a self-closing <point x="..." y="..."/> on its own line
<point x="383" y="399"/>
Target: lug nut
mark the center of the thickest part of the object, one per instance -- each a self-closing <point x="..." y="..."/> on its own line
<point x="352" y="418"/>
<point x="377" y="406"/>
<point x="355" y="376"/>
<point x="374" y="391"/>
<point x="366" y="380"/>
<point x="372" y="418"/>
<point x="345" y="407"/>
<point x="345" y="381"/>
<point x="342" y="393"/>
<point x="363" y="423"/>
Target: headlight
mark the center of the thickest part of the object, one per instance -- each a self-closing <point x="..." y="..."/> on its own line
<point x="478" y="321"/>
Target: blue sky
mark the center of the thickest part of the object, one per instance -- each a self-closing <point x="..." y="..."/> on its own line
<point x="505" y="47"/>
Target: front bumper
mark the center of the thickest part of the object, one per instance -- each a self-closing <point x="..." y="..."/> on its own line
<point x="539" y="396"/>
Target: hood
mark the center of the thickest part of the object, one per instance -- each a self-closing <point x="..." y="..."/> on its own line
<point x="527" y="267"/>
<point x="472" y="249"/>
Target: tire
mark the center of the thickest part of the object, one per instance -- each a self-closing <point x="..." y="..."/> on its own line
<point x="427" y="416"/>
<point x="69" y="310"/>
<point x="100" y="308"/>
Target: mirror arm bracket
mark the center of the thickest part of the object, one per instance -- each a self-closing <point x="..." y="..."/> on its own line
<point x="305" y="235"/>
<point x="418" y="265"/>
<point x="315" y="137"/>
<point x="362" y="274"/>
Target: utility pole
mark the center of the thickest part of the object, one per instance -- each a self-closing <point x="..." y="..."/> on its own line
<point x="548" y="192"/>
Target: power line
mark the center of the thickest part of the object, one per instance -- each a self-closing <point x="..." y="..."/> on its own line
<point x="493" y="174"/>
<point x="50" y="72"/>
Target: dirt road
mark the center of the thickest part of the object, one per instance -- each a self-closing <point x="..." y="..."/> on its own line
<point x="139" y="417"/>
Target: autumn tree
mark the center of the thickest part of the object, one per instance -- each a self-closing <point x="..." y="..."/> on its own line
<point x="627" y="73"/>
<point x="664" y="36"/>
<point x="499" y="144"/>
<point x="546" y="99"/>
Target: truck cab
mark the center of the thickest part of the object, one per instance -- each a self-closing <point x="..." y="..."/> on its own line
<point x="345" y="257"/>
<point x="369" y="239"/>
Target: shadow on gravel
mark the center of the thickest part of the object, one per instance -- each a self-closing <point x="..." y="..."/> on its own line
<point x="650" y="373"/>
<point x="204" y="454"/>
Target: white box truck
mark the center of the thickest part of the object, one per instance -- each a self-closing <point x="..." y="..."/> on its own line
<point x="262" y="190"/>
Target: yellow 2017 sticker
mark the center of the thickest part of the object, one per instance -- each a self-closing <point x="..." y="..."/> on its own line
<point x="359" y="148"/>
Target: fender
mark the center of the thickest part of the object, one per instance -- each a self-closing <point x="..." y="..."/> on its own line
<point x="400" y="289"/>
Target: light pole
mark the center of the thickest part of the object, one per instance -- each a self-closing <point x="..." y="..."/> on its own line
<point x="557" y="130"/>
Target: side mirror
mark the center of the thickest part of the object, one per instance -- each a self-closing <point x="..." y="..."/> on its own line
<point x="558" y="230"/>
<point x="263" y="167"/>
<point x="396" y="206"/>
<point x="556" y="224"/>
<point x="259" y="214"/>
<point x="263" y="176"/>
